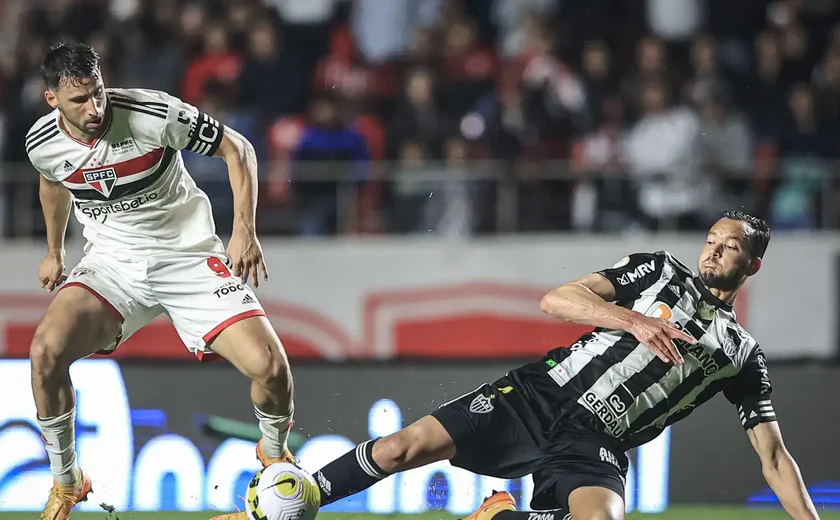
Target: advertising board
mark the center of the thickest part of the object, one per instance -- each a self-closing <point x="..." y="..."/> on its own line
<point x="140" y="435"/>
<point x="430" y="299"/>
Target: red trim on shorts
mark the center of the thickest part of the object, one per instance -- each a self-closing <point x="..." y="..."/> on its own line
<point x="210" y="336"/>
<point x="206" y="357"/>
<point x="98" y="297"/>
<point x="107" y="304"/>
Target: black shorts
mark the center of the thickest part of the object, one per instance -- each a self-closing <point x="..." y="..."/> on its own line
<point x="497" y="434"/>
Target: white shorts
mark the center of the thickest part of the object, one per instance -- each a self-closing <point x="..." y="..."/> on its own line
<point x="196" y="290"/>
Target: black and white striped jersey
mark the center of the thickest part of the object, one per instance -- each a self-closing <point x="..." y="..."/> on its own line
<point x="624" y="388"/>
<point x="130" y="188"/>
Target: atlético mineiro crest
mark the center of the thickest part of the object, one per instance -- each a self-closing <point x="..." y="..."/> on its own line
<point x="102" y="181"/>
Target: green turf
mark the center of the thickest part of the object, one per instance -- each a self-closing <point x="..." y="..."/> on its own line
<point x="674" y="513"/>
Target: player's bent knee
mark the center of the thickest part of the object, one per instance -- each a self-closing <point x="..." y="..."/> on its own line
<point x="596" y="515"/>
<point x="46" y="360"/>
<point x="394" y="452"/>
<point x="76" y="325"/>
<point x="601" y="515"/>
<point x="418" y="444"/>
<point x="596" y="503"/>
<point x="253" y="347"/>
<point x="268" y="366"/>
<point x="276" y="377"/>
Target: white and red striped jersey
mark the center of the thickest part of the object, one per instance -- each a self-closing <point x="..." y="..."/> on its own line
<point x="130" y="188"/>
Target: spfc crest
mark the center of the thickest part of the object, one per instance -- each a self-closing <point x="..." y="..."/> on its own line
<point x="102" y="181"/>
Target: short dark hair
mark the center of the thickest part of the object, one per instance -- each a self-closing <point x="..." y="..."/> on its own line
<point x="69" y="61"/>
<point x="758" y="236"/>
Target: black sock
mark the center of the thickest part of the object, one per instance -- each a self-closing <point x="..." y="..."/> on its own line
<point x="347" y="475"/>
<point x="555" y="514"/>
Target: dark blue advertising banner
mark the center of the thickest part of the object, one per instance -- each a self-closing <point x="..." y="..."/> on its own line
<point x="142" y="435"/>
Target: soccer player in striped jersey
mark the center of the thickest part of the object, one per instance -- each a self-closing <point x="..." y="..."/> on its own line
<point x="113" y="156"/>
<point x="665" y="341"/>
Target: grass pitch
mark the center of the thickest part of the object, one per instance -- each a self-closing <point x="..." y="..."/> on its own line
<point x="674" y="513"/>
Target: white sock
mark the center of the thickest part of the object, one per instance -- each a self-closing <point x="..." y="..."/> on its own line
<point x="275" y="432"/>
<point x="59" y="435"/>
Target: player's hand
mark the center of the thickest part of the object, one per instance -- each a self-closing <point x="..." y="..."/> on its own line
<point x="246" y="255"/>
<point x="659" y="335"/>
<point x="51" y="272"/>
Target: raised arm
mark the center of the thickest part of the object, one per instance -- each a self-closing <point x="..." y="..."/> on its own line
<point x="589" y="301"/>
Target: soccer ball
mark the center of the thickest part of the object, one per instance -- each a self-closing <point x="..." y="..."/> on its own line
<point x="282" y="491"/>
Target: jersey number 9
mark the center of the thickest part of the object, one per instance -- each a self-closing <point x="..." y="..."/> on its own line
<point x="218" y="267"/>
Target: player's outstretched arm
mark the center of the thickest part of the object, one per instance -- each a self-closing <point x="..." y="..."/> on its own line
<point x="781" y="471"/>
<point x="588" y="301"/>
<point x="56" y="203"/>
<point x="244" y="248"/>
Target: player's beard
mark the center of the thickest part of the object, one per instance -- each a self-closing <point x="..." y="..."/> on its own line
<point x="93" y="130"/>
<point x="724" y="282"/>
<point x="83" y="126"/>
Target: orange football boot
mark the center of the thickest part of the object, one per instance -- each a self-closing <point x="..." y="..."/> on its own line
<point x="497" y="502"/>
<point x="242" y="515"/>
<point x="266" y="462"/>
<point x="64" y="498"/>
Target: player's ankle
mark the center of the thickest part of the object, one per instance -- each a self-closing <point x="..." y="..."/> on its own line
<point x="275" y="433"/>
<point x="69" y="477"/>
<point x="272" y="450"/>
<point x="59" y="436"/>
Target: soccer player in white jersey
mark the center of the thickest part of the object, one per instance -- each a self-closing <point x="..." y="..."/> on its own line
<point x="113" y="156"/>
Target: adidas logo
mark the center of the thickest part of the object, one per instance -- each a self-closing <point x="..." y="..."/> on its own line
<point x="753" y="414"/>
<point x="324" y="484"/>
<point x="68" y="166"/>
<point x="248" y="299"/>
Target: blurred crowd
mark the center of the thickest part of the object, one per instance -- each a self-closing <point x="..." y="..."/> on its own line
<point x="476" y="116"/>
